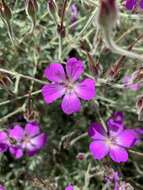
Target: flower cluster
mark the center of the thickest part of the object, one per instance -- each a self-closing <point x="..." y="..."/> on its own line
<point x="114" y="141"/>
<point x="67" y="85"/>
<point x="19" y="140"/>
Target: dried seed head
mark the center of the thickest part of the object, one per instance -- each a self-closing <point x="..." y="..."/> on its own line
<point x="5" y="11"/>
<point x="108" y="13"/>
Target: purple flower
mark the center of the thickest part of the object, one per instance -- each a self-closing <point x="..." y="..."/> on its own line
<point x="69" y="187"/>
<point x="67" y="85"/>
<point x="112" y="177"/>
<point x="28" y="139"/>
<point x="2" y="187"/>
<point x="129" y="81"/>
<point x="114" y="142"/>
<point x="130" y="4"/>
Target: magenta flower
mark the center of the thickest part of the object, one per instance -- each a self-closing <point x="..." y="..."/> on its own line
<point x="2" y="187"/>
<point x="67" y="85"/>
<point x="29" y="139"/>
<point x="112" y="142"/>
<point x="69" y="187"/>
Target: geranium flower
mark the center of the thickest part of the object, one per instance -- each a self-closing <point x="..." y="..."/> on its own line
<point x="67" y="85"/>
<point x="28" y="139"/>
<point x="69" y="187"/>
<point x="112" y="142"/>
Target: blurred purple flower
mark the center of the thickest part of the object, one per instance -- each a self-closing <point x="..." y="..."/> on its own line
<point x="112" y="177"/>
<point x="129" y="81"/>
<point x="130" y="4"/>
<point x="67" y="85"/>
<point x="28" y="139"/>
<point x="2" y="187"/>
<point x="69" y="187"/>
<point x="114" y="142"/>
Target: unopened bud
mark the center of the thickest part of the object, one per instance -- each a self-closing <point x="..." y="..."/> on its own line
<point x="108" y="13"/>
<point x="5" y="11"/>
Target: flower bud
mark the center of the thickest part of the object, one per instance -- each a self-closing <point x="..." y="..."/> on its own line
<point x="108" y="13"/>
<point x="5" y="11"/>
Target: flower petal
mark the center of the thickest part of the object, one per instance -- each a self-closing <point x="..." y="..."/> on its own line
<point x="55" y="72"/>
<point x="86" y="89"/>
<point x="96" y="131"/>
<point x="69" y="187"/>
<point x="70" y="103"/>
<point x="32" y="129"/>
<point x="39" y="141"/>
<point x="3" y="147"/>
<point x="99" y="149"/>
<point x="32" y="153"/>
<point x="74" y="68"/>
<point x="130" y="4"/>
<point x="52" y="92"/>
<point x="115" y="125"/>
<point x="118" y="154"/>
<point x="17" y="133"/>
<point x="16" y="152"/>
<point x="127" y="138"/>
<point x="3" y="137"/>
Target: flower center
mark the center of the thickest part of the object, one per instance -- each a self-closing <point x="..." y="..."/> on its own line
<point x="69" y="85"/>
<point x="110" y="141"/>
<point x="27" y="139"/>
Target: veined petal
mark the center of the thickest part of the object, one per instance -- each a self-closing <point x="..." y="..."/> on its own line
<point x="16" y="152"/>
<point x="74" y="68"/>
<point x="114" y="127"/>
<point x="127" y="138"/>
<point x="52" y="92"/>
<point x="17" y="133"/>
<point x="3" y="137"/>
<point x="39" y="141"/>
<point x="55" y="72"/>
<point x="96" y="131"/>
<point x="32" y="129"/>
<point x="99" y="149"/>
<point x="85" y="89"/>
<point x="118" y="154"/>
<point x="70" y="103"/>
